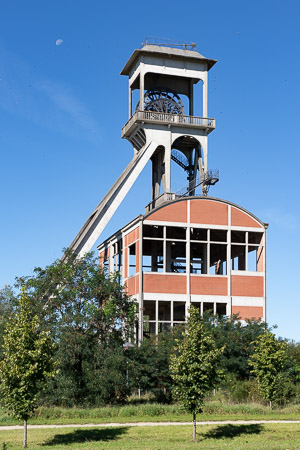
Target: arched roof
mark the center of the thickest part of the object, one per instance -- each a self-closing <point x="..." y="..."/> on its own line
<point x="207" y="210"/>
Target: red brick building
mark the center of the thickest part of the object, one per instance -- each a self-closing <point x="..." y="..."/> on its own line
<point x="198" y="251"/>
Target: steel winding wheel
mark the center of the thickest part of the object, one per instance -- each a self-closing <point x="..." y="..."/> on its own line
<point x="163" y="101"/>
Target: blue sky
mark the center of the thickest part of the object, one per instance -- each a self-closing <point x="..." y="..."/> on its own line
<point x="62" y="108"/>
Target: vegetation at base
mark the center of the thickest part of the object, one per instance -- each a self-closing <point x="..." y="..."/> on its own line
<point x="90" y="318"/>
<point x="243" y="436"/>
<point x="155" y="412"/>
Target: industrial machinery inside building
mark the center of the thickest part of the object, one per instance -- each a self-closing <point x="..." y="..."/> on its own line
<point x="188" y="248"/>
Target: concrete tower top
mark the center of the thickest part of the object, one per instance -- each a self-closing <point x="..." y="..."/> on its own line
<point x="162" y="52"/>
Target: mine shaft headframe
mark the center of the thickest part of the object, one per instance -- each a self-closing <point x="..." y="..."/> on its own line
<point x="162" y="100"/>
<point x="163" y="42"/>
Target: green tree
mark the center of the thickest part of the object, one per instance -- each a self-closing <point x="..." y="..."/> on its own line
<point x="7" y="305"/>
<point x="88" y="315"/>
<point x="269" y="363"/>
<point x="293" y="349"/>
<point x="195" y="365"/>
<point x="237" y="338"/>
<point x="27" y="362"/>
<point x="149" y="365"/>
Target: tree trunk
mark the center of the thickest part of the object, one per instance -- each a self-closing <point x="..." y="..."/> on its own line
<point x="270" y="404"/>
<point x="25" y="434"/>
<point x="194" y="427"/>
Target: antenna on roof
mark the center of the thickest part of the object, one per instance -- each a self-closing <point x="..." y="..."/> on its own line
<point x="163" y="42"/>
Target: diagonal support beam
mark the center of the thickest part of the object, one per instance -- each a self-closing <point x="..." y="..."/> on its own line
<point x="102" y="214"/>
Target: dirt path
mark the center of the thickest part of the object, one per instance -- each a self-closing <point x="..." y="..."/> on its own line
<point x="148" y="424"/>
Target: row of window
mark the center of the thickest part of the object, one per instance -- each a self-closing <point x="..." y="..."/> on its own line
<point x="201" y="234"/>
<point x="161" y="315"/>
<point x="165" y="249"/>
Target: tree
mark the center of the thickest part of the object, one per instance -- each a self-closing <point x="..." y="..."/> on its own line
<point x="149" y="365"/>
<point x="194" y="365"/>
<point x="7" y="305"/>
<point x="269" y="362"/>
<point x="27" y="362"/>
<point x="88" y="315"/>
<point x="237" y="338"/>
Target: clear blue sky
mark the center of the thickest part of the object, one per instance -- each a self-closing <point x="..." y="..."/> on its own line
<point x="62" y="108"/>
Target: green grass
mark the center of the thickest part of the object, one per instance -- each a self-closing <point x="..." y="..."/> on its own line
<point x="153" y="412"/>
<point x="266" y="436"/>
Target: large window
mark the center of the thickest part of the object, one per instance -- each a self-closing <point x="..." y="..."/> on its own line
<point x="161" y="315"/>
<point x="132" y="259"/>
<point x="198" y="258"/>
<point x="117" y="256"/>
<point x="153" y="260"/>
<point x="165" y="249"/>
<point x="247" y="250"/>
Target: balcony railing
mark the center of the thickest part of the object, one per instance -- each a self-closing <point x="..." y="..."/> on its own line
<point x="166" y="118"/>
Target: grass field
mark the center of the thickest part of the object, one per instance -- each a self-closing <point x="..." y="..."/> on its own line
<point x="266" y="436"/>
<point x="155" y="413"/>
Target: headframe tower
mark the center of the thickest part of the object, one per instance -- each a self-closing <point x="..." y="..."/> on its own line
<point x="162" y="74"/>
<point x="161" y="127"/>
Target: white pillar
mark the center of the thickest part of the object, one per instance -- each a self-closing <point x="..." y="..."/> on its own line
<point x="142" y="87"/>
<point x="204" y="150"/>
<point x="167" y="174"/>
<point x="130" y="101"/>
<point x="191" y="103"/>
<point x="205" y="98"/>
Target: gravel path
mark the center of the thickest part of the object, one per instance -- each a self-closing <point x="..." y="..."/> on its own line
<point x="147" y="424"/>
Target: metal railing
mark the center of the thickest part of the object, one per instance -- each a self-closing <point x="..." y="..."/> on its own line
<point x="163" y="42"/>
<point x="162" y="198"/>
<point x="176" y="119"/>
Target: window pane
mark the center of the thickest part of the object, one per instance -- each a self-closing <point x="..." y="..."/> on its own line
<point x="198" y="258"/>
<point x="254" y="238"/>
<point x="149" y="309"/>
<point x="132" y="260"/>
<point x="252" y="258"/>
<point x="221" y="309"/>
<point x="238" y="236"/>
<point x="164" y="310"/>
<point x="208" y="307"/>
<point x="176" y="233"/>
<point x="164" y="327"/>
<point x="218" y="259"/>
<point x="197" y="305"/>
<point x="153" y="231"/>
<point x="238" y="257"/>
<point x="179" y="311"/>
<point x="152" y="256"/>
<point x="148" y="329"/>
<point x="218" y="235"/>
<point x="198" y="234"/>
<point x="176" y="257"/>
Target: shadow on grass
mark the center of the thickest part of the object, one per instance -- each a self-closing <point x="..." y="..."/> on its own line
<point x="80" y="436"/>
<point x="232" y="431"/>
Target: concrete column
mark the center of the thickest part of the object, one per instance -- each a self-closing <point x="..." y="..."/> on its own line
<point x="142" y="87"/>
<point x="130" y="101"/>
<point x="191" y="103"/>
<point x="167" y="174"/>
<point x="205" y="98"/>
<point x="204" y="148"/>
<point x="154" y="176"/>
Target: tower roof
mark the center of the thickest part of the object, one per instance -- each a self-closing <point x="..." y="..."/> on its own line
<point x="162" y="51"/>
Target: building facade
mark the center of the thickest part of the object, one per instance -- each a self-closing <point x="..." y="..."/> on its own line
<point x="198" y="251"/>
